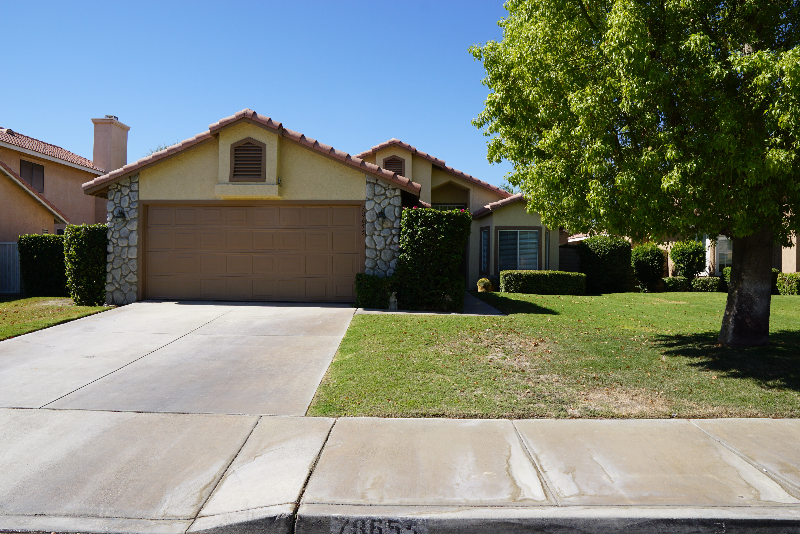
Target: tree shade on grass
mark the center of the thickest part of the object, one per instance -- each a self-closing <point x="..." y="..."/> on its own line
<point x="653" y="119"/>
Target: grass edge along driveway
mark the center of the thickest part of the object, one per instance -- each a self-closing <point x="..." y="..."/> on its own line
<point x="23" y="315"/>
<point x="619" y="355"/>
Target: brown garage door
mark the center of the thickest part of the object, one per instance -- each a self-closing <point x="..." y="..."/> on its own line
<point x="294" y="253"/>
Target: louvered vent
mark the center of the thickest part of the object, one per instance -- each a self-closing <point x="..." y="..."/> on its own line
<point x="248" y="161"/>
<point x="395" y="164"/>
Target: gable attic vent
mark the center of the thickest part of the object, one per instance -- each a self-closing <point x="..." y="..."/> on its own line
<point x="247" y="161"/>
<point x="395" y="164"/>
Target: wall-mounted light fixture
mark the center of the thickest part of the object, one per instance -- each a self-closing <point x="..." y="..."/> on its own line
<point x="119" y="213"/>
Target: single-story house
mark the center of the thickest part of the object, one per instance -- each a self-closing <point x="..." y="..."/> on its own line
<point x="250" y="210"/>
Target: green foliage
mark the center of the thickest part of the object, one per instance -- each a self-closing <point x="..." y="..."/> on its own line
<point x="726" y="274"/>
<point x="432" y="246"/>
<point x="606" y="262"/>
<point x="373" y="291"/>
<point x="648" y="262"/>
<point x="677" y="283"/>
<point x="789" y="283"/>
<point x="649" y="119"/>
<point x="775" y="274"/>
<point x="485" y="284"/>
<point x="543" y="282"/>
<point x="41" y="264"/>
<point x="85" y="258"/>
<point x="689" y="258"/>
<point x="707" y="284"/>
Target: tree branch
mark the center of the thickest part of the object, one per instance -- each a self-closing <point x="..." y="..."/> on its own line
<point x="586" y="15"/>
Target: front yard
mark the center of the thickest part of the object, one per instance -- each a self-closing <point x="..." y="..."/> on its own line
<point x="20" y="316"/>
<point x="619" y="355"/>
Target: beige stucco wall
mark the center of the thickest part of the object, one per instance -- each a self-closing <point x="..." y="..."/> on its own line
<point x="303" y="173"/>
<point x="62" y="187"/>
<point x="451" y="193"/>
<point x="790" y="258"/>
<point x="477" y="198"/>
<point x="512" y="215"/>
<point x="384" y="153"/>
<point x="20" y="213"/>
<point x="422" y="170"/>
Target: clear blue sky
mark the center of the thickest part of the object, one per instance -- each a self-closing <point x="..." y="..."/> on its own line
<point x="349" y="73"/>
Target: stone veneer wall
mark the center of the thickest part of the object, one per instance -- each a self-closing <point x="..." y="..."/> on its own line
<point x="383" y="210"/>
<point x="123" y="241"/>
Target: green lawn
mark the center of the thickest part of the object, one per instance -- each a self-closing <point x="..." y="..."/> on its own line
<point x="620" y="355"/>
<point x="21" y="316"/>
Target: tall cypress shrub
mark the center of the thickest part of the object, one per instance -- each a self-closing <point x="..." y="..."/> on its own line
<point x="606" y="262"/>
<point x="432" y="245"/>
<point x="41" y="265"/>
<point x="85" y="258"/>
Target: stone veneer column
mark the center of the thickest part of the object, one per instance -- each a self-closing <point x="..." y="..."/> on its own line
<point x="123" y="241"/>
<point x="382" y="228"/>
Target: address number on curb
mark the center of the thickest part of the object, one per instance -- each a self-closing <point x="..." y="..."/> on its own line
<point x="377" y="526"/>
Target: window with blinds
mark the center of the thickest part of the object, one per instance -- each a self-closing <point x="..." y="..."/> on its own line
<point x="247" y="161"/>
<point x="33" y="173"/>
<point x="724" y="254"/>
<point x="518" y="250"/>
<point x="395" y="164"/>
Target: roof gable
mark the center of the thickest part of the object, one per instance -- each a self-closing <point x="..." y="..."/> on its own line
<point x="436" y="162"/>
<point x="101" y="183"/>
<point x="494" y="206"/>
<point x="17" y="140"/>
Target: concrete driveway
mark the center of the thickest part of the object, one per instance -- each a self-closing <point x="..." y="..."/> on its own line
<point x="180" y="357"/>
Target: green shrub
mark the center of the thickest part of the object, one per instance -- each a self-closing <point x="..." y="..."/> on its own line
<point x="689" y="258"/>
<point x="775" y="274"/>
<point x="41" y="265"/>
<point x="677" y="283"/>
<point x="373" y="291"/>
<point x="85" y="258"/>
<point x="789" y="284"/>
<point x="708" y="284"/>
<point x="543" y="282"/>
<point x="648" y="262"/>
<point x="606" y="262"/>
<point x="432" y="246"/>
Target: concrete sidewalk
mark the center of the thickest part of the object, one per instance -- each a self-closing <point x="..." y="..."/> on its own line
<point x="94" y="471"/>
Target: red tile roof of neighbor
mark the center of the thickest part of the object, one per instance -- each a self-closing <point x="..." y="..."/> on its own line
<point x="436" y="161"/>
<point x="33" y="192"/>
<point x="98" y="184"/>
<point x="23" y="141"/>
<point x="489" y="208"/>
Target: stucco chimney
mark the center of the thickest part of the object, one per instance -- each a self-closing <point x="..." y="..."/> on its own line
<point x="110" y="143"/>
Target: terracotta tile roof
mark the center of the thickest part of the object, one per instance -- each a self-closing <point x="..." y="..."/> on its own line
<point x="33" y="192"/>
<point x="436" y="161"/>
<point x="251" y="116"/>
<point x="489" y="208"/>
<point x="23" y="141"/>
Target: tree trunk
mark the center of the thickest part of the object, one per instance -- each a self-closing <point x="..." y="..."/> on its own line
<point x="746" y="319"/>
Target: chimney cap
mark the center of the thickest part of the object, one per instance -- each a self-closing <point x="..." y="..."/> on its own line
<point x="112" y="117"/>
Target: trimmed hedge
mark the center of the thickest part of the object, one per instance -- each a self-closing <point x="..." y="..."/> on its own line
<point x="677" y="283"/>
<point x="85" y="259"/>
<point x="648" y="262"/>
<point x="708" y="284"/>
<point x="689" y="258"/>
<point x="373" y="291"/>
<point x="41" y="265"/>
<point x="789" y="284"/>
<point x="606" y="262"/>
<point x="432" y="246"/>
<point x="543" y="282"/>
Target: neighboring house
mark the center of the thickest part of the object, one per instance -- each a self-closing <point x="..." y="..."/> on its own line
<point x="40" y="183"/>
<point x="720" y="255"/>
<point x="250" y="210"/>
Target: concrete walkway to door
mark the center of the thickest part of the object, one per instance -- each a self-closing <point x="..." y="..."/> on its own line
<point x="178" y="357"/>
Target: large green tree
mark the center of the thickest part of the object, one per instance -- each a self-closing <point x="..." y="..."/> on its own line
<point x="655" y="119"/>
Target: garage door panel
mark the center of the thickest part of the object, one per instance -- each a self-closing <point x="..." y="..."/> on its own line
<point x="239" y="264"/>
<point x="186" y="240"/>
<point x="187" y="216"/>
<point x="239" y="240"/>
<point x="266" y="217"/>
<point x="212" y="240"/>
<point x="161" y="216"/>
<point x="264" y="265"/>
<point x="318" y="264"/>
<point x="291" y="217"/>
<point x="293" y="253"/>
<point x="160" y="239"/>
<point x="318" y="241"/>
<point x="263" y="240"/>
